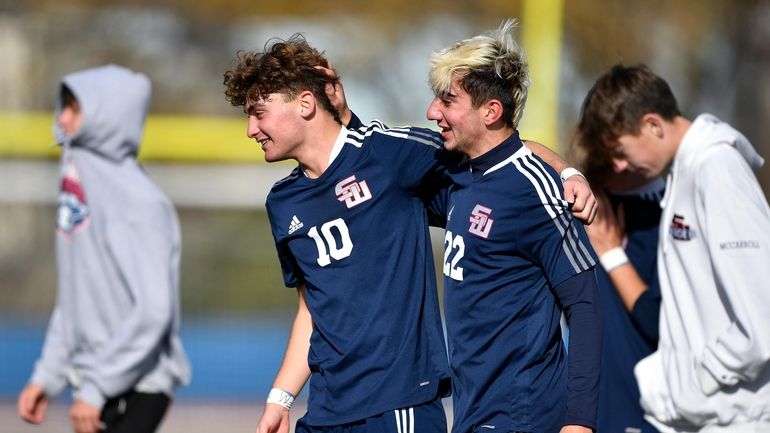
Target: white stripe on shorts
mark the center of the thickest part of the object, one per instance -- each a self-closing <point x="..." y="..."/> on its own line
<point x="404" y="420"/>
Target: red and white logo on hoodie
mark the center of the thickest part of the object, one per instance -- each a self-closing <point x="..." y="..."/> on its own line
<point x="72" y="214"/>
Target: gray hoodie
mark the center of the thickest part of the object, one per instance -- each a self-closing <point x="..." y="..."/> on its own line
<point x="115" y="326"/>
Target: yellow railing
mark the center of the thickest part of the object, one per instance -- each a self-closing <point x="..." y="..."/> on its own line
<point x="166" y="138"/>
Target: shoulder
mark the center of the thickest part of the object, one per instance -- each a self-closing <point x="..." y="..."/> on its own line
<point x="720" y="165"/>
<point x="720" y="154"/>
<point x="286" y="182"/>
<point x="527" y="173"/>
<point x="381" y="133"/>
<point x="538" y="189"/>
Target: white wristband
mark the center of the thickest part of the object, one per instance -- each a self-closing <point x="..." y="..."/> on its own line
<point x="613" y="258"/>
<point x="280" y="397"/>
<point x="569" y="172"/>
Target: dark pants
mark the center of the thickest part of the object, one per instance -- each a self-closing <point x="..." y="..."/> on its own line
<point x="134" y="412"/>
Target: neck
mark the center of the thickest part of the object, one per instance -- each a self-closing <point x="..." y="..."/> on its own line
<point x="489" y="140"/>
<point x="678" y="128"/>
<point x="313" y="155"/>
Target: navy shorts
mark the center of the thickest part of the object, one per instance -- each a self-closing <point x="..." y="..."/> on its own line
<point x="425" y="418"/>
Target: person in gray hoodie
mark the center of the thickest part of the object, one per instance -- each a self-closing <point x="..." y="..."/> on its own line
<point x="710" y="371"/>
<point x="113" y="336"/>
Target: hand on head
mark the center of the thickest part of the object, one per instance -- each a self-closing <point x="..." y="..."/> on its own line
<point x="336" y="94"/>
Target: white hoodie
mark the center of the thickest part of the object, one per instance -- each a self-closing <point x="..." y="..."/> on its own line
<point x="710" y="368"/>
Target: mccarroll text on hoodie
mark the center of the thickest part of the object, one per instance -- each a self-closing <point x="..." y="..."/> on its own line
<point x="115" y="326"/>
<point x="711" y="366"/>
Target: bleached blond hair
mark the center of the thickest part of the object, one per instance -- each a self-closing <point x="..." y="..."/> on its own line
<point x="489" y="66"/>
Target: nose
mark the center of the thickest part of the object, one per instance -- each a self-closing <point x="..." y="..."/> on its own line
<point x="64" y="118"/>
<point x="433" y="112"/>
<point x="70" y="119"/>
<point x="252" y="129"/>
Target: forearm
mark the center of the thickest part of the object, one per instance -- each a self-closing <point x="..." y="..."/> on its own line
<point x="577" y="192"/>
<point x="550" y="157"/>
<point x="628" y="284"/>
<point x="50" y="370"/>
<point x="294" y="371"/>
<point x="737" y="231"/>
<point x="578" y="296"/>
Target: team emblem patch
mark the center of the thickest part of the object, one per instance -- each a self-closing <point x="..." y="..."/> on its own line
<point x="680" y="230"/>
<point x="481" y="223"/>
<point x="352" y="192"/>
<point x="72" y="213"/>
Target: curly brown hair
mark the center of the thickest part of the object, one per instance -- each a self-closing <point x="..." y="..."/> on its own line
<point x="285" y="66"/>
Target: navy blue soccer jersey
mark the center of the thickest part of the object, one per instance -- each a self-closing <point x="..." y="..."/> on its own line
<point x="629" y="337"/>
<point x="357" y="237"/>
<point x="514" y="257"/>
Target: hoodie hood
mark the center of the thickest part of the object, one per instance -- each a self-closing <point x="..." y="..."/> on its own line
<point x="707" y="130"/>
<point x="114" y="102"/>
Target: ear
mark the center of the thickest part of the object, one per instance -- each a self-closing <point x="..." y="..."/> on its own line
<point x="75" y="106"/>
<point x="492" y="111"/>
<point x="653" y="124"/>
<point x="306" y="103"/>
<point x="619" y="165"/>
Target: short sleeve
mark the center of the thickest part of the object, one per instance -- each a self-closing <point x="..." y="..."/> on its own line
<point x="557" y="242"/>
<point x="413" y="154"/>
<point x="289" y="268"/>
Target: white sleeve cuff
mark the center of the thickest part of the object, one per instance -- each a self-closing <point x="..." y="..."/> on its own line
<point x="90" y="394"/>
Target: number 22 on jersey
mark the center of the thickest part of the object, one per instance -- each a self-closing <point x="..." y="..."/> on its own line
<point x="452" y="268"/>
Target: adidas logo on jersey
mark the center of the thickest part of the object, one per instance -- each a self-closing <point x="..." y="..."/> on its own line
<point x="295" y="224"/>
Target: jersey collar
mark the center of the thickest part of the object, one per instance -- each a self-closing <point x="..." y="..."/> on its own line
<point x="336" y="149"/>
<point x="338" y="144"/>
<point x="499" y="153"/>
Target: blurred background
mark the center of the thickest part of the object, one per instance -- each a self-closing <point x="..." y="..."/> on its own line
<point x="715" y="54"/>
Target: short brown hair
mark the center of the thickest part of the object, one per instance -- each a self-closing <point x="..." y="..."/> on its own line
<point x="617" y="102"/>
<point x="592" y="159"/>
<point x="285" y="66"/>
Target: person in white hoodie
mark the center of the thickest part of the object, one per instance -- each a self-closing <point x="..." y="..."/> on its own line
<point x="113" y="336"/>
<point x="710" y="371"/>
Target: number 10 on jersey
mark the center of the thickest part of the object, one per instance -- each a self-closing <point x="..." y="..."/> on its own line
<point x="326" y="241"/>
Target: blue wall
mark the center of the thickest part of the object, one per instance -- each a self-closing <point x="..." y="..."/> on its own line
<point x="232" y="358"/>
